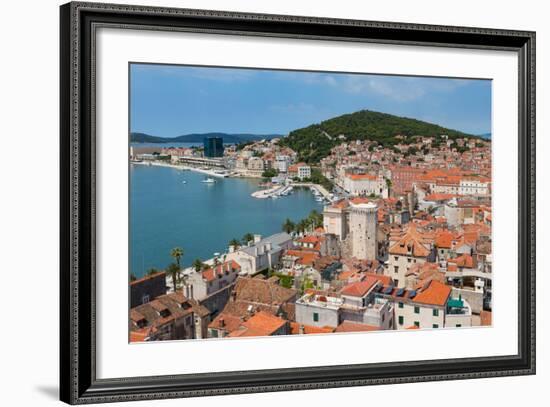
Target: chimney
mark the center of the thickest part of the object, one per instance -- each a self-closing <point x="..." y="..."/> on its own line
<point x="222" y="322"/>
<point x="301" y="330"/>
<point x="268" y="247"/>
<point x="231" y="249"/>
<point x="257" y="238"/>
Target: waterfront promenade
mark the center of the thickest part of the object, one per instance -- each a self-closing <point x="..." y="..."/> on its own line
<point x="211" y="173"/>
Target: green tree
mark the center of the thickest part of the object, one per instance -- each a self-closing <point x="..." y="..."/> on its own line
<point x="177" y="254"/>
<point x="270" y="173"/>
<point x="314" y="219"/>
<point x="247" y="238"/>
<point x="288" y="226"/>
<point x="307" y="283"/>
<point x="302" y="226"/>
<point x="234" y="242"/>
<point x="198" y="265"/>
<point x="173" y="271"/>
<point x="133" y="277"/>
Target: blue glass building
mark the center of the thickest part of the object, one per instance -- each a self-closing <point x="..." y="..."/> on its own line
<point x="213" y="147"/>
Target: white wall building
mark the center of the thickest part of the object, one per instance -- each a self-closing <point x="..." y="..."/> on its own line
<point x="365" y="185"/>
<point x="475" y="186"/>
<point x="262" y="253"/>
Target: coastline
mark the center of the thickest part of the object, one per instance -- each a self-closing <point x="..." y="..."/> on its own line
<point x="258" y="194"/>
<point x="181" y="167"/>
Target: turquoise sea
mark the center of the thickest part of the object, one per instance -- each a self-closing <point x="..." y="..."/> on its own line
<point x="201" y="218"/>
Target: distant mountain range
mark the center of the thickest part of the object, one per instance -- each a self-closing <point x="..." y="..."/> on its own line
<point x="199" y="137"/>
<point x="314" y="142"/>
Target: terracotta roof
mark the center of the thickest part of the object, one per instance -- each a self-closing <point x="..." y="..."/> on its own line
<point x="136" y="316"/>
<point x="439" y="197"/>
<point x="261" y="324"/>
<point x="349" y="326"/>
<point x="464" y="260"/>
<point x="139" y="335"/>
<point x="444" y="239"/>
<point x="211" y="273"/>
<point x="306" y="258"/>
<point x="262" y="292"/>
<point x="360" y="200"/>
<point x="226" y="321"/>
<point x="160" y="274"/>
<point x="435" y="294"/>
<point x="385" y="280"/>
<point x="359" y="288"/>
<point x="410" y="244"/>
<point x="309" y="239"/>
<point x="341" y="204"/>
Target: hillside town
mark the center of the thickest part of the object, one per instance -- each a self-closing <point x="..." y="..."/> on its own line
<point x="402" y="241"/>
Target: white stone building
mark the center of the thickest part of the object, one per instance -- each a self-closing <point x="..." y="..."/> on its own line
<point x="363" y="226"/>
<point x="475" y="186"/>
<point x="262" y="253"/>
<point x="365" y="185"/>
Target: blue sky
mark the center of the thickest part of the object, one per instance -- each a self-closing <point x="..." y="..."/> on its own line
<point x="168" y="100"/>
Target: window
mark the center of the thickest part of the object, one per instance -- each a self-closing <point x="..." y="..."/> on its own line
<point x="409" y="260"/>
<point x="396" y="269"/>
<point x="435" y="312"/>
<point x="316" y="317"/>
<point x="395" y="258"/>
<point x="400" y="319"/>
<point x="435" y="326"/>
<point x="417" y="310"/>
<point x="458" y="325"/>
<point x="417" y="324"/>
<point x="400" y="305"/>
<point x="145" y="299"/>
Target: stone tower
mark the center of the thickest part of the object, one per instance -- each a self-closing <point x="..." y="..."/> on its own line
<point x="363" y="225"/>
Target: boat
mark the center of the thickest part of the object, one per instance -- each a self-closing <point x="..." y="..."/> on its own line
<point x="319" y="199"/>
<point x="184" y="182"/>
<point x="208" y="180"/>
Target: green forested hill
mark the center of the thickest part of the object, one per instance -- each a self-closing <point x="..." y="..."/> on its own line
<point x="314" y="142"/>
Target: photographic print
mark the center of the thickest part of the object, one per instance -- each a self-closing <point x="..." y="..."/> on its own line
<point x="271" y="202"/>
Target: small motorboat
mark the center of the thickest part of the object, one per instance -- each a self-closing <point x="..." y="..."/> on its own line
<point x="208" y="180"/>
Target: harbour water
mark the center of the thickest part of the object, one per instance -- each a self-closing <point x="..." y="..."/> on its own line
<point x="170" y="207"/>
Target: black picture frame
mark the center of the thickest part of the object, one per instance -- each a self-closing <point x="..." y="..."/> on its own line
<point x="78" y="382"/>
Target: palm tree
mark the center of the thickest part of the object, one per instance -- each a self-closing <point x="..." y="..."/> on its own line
<point x="234" y="242"/>
<point x="173" y="270"/>
<point x="302" y="226"/>
<point x="198" y="265"/>
<point x="288" y="226"/>
<point x="315" y="219"/>
<point x="247" y="238"/>
<point x="177" y="254"/>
